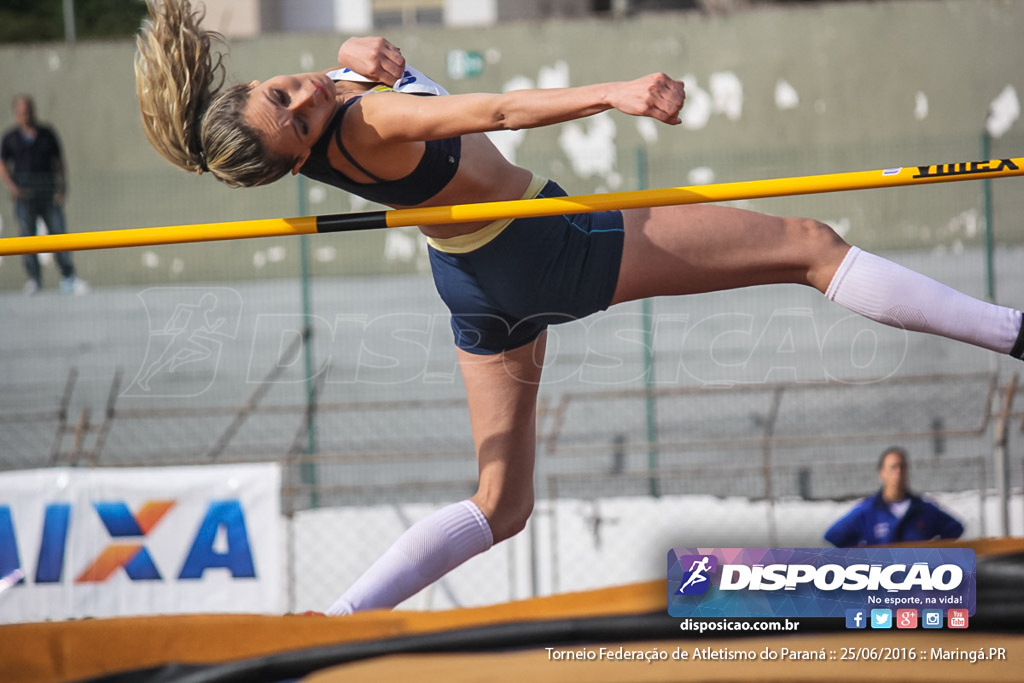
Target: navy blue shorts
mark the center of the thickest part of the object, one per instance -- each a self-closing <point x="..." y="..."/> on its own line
<point x="537" y="272"/>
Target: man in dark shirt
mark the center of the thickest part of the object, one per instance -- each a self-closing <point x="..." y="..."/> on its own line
<point x="32" y="167"/>
<point x="894" y="514"/>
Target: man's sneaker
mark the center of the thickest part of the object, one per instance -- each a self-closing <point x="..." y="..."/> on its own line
<point x="74" y="285"/>
<point x="31" y="288"/>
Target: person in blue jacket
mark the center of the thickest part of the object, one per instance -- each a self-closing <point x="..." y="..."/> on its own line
<point x="894" y="514"/>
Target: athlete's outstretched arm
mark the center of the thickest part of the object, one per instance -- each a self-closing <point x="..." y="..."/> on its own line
<point x="407" y="118"/>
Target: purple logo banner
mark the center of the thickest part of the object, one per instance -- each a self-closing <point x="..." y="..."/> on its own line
<point x="817" y="582"/>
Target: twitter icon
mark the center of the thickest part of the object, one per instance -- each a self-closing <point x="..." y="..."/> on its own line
<point x="881" y="618"/>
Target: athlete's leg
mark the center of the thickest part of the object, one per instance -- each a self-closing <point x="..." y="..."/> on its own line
<point x="428" y="550"/>
<point x="690" y="249"/>
<point x="502" y="393"/>
<point x="702" y="248"/>
<point x="889" y="293"/>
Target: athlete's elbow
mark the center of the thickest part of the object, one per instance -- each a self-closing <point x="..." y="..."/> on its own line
<point x="507" y="113"/>
<point x="503" y="120"/>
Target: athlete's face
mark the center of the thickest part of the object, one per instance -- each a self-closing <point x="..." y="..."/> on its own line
<point x="291" y="113"/>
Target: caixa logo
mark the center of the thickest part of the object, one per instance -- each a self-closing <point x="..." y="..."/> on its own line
<point x="220" y="541"/>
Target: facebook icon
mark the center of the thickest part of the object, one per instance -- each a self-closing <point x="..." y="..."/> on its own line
<point x="856" y="618"/>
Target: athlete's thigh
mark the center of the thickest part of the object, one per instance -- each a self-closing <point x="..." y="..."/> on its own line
<point x="703" y="248"/>
<point x="502" y="393"/>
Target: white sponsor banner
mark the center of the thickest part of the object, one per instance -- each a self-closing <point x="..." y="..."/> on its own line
<point x="160" y="540"/>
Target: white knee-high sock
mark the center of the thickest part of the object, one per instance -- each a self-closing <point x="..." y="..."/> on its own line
<point x="428" y="550"/>
<point x="891" y="294"/>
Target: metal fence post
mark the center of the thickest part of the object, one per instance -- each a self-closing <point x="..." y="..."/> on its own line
<point x="647" y="314"/>
<point x="1001" y="456"/>
<point x="308" y="467"/>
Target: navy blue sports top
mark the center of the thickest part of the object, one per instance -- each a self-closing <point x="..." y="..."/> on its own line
<point x="437" y="167"/>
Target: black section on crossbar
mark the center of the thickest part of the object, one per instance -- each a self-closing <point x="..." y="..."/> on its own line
<point x="347" y="222"/>
<point x="1018" y="347"/>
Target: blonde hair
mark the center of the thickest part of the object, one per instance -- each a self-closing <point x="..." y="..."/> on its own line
<point x="185" y="114"/>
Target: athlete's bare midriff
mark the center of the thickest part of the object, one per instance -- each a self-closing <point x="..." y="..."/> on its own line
<point x="484" y="175"/>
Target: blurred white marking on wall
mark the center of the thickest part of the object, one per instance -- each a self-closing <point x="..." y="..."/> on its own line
<point x="648" y="130"/>
<point x="920" y="106"/>
<point x="786" y="96"/>
<point x="590" y="145"/>
<point x="554" y="76"/>
<point x="1003" y="112"/>
<point x="727" y="94"/>
<point x="702" y="175"/>
<point x="697" y="111"/>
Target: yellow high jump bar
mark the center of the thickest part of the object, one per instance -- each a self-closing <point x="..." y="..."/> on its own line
<point x="523" y="208"/>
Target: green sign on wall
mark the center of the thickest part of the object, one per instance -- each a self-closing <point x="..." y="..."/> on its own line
<point x="462" y="64"/>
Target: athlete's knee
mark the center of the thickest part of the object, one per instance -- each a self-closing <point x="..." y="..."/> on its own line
<point x="820" y="249"/>
<point x="510" y="522"/>
<point x="813" y="234"/>
<point x="507" y="512"/>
